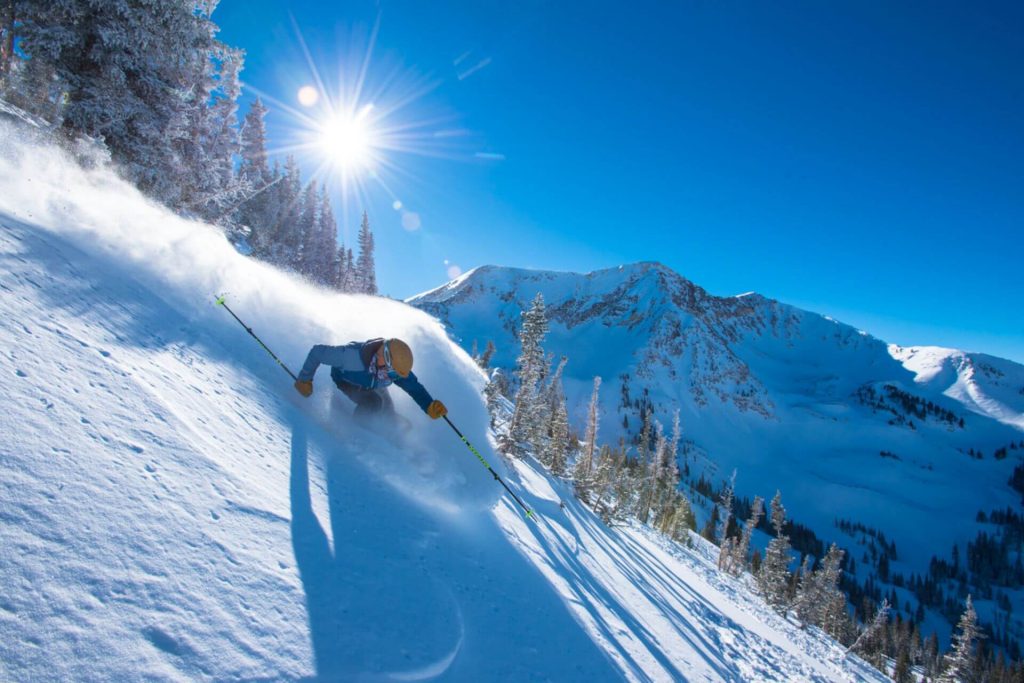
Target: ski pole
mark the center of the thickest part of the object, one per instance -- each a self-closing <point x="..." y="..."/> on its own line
<point x="220" y="302"/>
<point x="529" y="512"/>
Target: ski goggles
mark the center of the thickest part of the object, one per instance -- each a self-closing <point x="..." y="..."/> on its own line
<point x="392" y="374"/>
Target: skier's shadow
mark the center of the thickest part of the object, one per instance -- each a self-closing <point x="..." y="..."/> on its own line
<point x="371" y="615"/>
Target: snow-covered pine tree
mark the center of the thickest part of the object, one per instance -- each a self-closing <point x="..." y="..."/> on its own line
<point x="286" y="246"/>
<point x="327" y="243"/>
<point x="127" y="70"/>
<point x="338" y="269"/>
<point x="583" y="472"/>
<point x="624" y="487"/>
<point x="652" y="477"/>
<point x="643" y="456"/>
<point x="254" y="167"/>
<point x="682" y="521"/>
<point x="554" y="400"/>
<point x="208" y="149"/>
<point x="495" y="391"/>
<point x="603" y="477"/>
<point x="351" y="277"/>
<point x="958" y="664"/>
<point x="559" y="446"/>
<point x="725" y="501"/>
<point x="307" y="227"/>
<point x="820" y="602"/>
<point x="224" y="143"/>
<point x="668" y="473"/>
<point x="741" y="550"/>
<point x="773" y="578"/>
<point x="538" y="430"/>
<point x="366" y="267"/>
<point x="530" y="363"/>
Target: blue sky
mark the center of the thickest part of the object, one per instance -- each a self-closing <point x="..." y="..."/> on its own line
<point x="861" y="159"/>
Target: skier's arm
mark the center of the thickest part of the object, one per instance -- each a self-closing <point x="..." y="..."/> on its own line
<point x="322" y="354"/>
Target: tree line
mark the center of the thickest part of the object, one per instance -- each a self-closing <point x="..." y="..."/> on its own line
<point x="617" y="481"/>
<point x="150" y="85"/>
<point x="641" y="481"/>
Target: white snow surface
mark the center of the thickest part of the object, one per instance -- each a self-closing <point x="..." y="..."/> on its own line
<point x="171" y="509"/>
<point x="985" y="384"/>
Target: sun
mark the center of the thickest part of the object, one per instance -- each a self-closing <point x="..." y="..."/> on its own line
<point x="357" y="125"/>
<point x="348" y="140"/>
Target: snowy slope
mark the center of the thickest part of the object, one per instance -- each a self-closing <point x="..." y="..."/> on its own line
<point x="984" y="384"/>
<point x="172" y="510"/>
<point x="776" y="392"/>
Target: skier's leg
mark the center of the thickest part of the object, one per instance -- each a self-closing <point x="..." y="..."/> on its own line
<point x="387" y="406"/>
<point x="366" y="400"/>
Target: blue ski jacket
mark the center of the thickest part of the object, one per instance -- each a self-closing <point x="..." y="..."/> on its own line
<point x="353" y="364"/>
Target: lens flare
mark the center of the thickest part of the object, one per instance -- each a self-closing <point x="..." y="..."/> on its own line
<point x="308" y="96"/>
<point x="356" y="123"/>
<point x="349" y="142"/>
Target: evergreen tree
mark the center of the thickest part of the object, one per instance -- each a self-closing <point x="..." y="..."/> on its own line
<point x="603" y="478"/>
<point x="351" y="283"/>
<point x="255" y="210"/>
<point x="667" y="474"/>
<point x="254" y="168"/>
<point x="559" y="444"/>
<point x="682" y="521"/>
<point x="495" y="391"/>
<point x="959" y="661"/>
<point x="209" y="143"/>
<point x="738" y="562"/>
<point x="773" y="577"/>
<point x="326" y="262"/>
<point x="556" y="426"/>
<point x="583" y="474"/>
<point x="820" y="602"/>
<point x="287" y="238"/>
<point x="307" y="229"/>
<point x="367" y="271"/>
<point x="724" y="518"/>
<point x="129" y="71"/>
<point x="531" y="361"/>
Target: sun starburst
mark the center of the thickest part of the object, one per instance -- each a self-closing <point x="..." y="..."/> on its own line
<point x="357" y="134"/>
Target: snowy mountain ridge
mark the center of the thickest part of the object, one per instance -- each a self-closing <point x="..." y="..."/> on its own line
<point x="173" y="510"/>
<point x="843" y="424"/>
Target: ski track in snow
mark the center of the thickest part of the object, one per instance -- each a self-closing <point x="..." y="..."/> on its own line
<point x="172" y="510"/>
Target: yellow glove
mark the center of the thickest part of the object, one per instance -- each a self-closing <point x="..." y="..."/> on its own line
<point x="304" y="388"/>
<point x="436" y="409"/>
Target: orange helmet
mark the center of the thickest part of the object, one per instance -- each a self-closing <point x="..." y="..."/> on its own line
<point x="398" y="356"/>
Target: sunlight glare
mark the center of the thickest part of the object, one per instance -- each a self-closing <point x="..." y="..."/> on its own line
<point x="349" y="141"/>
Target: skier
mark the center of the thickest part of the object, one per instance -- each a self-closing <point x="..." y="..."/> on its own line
<point x="363" y="372"/>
